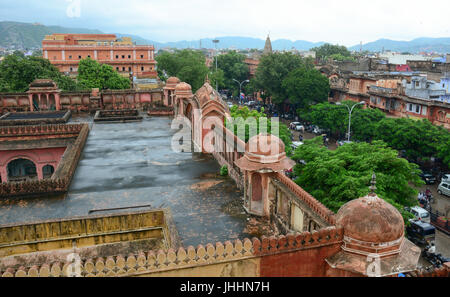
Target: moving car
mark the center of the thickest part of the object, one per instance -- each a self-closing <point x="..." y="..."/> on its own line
<point x="428" y="178"/>
<point x="444" y="188"/>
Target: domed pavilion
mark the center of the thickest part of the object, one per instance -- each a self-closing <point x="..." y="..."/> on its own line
<point x="374" y="239"/>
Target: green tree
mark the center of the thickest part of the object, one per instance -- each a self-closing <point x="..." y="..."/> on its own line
<point x="188" y="65"/>
<point x="92" y="74"/>
<point x="233" y="67"/>
<point x="337" y="177"/>
<point x="334" y="118"/>
<point x="18" y="71"/>
<point x="271" y="72"/>
<point x="326" y="50"/>
<point x="305" y="86"/>
<point x="241" y="114"/>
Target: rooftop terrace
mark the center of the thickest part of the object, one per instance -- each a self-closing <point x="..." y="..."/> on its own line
<point x="132" y="164"/>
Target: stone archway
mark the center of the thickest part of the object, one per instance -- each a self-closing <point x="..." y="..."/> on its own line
<point x="21" y="170"/>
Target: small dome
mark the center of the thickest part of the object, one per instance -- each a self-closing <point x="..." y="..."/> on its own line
<point x="183" y="87"/>
<point x="173" y="80"/>
<point x="265" y="145"/>
<point x="371" y="219"/>
<point x="265" y="152"/>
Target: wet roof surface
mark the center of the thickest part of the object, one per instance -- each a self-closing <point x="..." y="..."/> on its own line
<point x="132" y="164"/>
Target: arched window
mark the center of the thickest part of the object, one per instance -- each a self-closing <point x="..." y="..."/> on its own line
<point x="47" y="171"/>
<point x="21" y="170"/>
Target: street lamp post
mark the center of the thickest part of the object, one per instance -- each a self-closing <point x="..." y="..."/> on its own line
<point x="350" y="111"/>
<point x="216" y="41"/>
<point x="240" y="86"/>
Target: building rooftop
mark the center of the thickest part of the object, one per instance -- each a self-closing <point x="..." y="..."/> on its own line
<point x="127" y="165"/>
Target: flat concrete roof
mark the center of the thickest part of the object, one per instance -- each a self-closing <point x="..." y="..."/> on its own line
<point x="132" y="164"/>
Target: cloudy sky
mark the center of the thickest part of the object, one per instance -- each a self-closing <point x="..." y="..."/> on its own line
<point x="345" y="22"/>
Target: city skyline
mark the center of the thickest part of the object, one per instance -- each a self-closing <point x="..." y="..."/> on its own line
<point x="345" y="23"/>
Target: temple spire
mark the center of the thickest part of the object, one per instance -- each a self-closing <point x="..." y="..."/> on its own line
<point x="268" y="46"/>
<point x="373" y="186"/>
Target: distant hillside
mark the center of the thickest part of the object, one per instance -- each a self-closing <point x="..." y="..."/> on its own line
<point x="24" y="35"/>
<point x="440" y="45"/>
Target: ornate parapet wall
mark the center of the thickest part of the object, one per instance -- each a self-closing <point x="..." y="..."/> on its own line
<point x="108" y="116"/>
<point x="60" y="181"/>
<point x="86" y="101"/>
<point x="318" y="208"/>
<point x="292" y="255"/>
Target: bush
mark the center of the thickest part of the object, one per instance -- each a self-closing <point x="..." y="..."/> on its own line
<point x="224" y="170"/>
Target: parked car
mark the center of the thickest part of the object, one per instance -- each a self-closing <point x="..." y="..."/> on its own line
<point x="293" y="125"/>
<point x="300" y="128"/>
<point x="296" y="144"/>
<point x="446" y="178"/>
<point x="342" y="142"/>
<point x="444" y="188"/>
<point x="420" y="232"/>
<point x="428" y="178"/>
<point x="420" y="214"/>
<point x="230" y="104"/>
<point x="316" y="130"/>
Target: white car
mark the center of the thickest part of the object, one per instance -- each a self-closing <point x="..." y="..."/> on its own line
<point x="446" y="178"/>
<point x="420" y="214"/>
<point x="230" y="104"/>
<point x="294" y="124"/>
<point x="299" y="128"/>
<point x="444" y="188"/>
<point x="296" y="144"/>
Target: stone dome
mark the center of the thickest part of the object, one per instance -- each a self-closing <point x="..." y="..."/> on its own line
<point x="265" y="152"/>
<point x="183" y="90"/>
<point x="183" y="87"/>
<point x="371" y="219"/>
<point x="173" y="80"/>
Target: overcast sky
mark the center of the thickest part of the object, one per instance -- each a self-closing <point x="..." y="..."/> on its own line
<point x="345" y="22"/>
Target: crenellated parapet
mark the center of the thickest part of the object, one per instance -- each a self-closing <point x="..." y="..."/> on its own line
<point x="40" y="130"/>
<point x="315" y="205"/>
<point x="197" y="260"/>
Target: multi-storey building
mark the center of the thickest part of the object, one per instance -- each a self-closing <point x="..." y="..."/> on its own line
<point x="397" y="94"/>
<point x="66" y="50"/>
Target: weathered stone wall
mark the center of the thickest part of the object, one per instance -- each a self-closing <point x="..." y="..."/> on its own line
<point x="83" y="232"/>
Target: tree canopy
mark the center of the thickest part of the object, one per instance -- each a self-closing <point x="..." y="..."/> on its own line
<point x="337" y="177"/>
<point x="241" y="114"/>
<point x="305" y="86"/>
<point x="273" y="69"/>
<point x="417" y="140"/>
<point x="233" y="67"/>
<point x="327" y="50"/>
<point x="92" y="74"/>
<point x="188" y="65"/>
<point x="18" y="71"/>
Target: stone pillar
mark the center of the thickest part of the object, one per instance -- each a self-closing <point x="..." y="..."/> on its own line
<point x="39" y="171"/>
<point x="47" y="101"/>
<point x="58" y="101"/>
<point x="4" y="173"/>
<point x="30" y="97"/>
